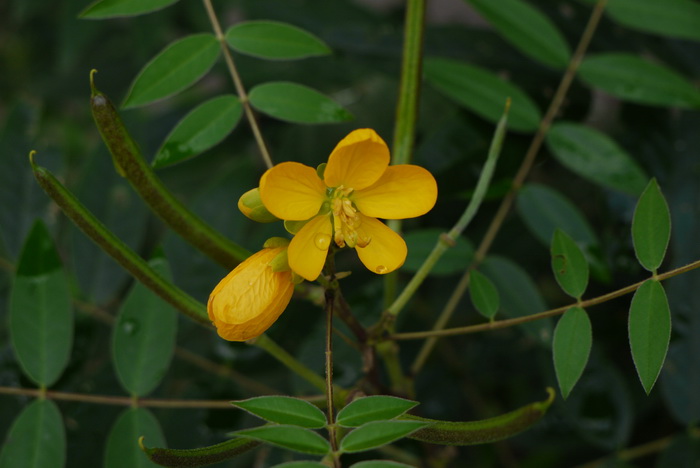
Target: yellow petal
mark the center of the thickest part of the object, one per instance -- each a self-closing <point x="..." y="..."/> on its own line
<point x="403" y="191"/>
<point x="249" y="299"/>
<point x="386" y="250"/>
<point x="292" y="191"/>
<point x="357" y="161"/>
<point x="309" y="247"/>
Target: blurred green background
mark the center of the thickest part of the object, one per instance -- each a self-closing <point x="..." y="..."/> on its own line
<point x="46" y="54"/>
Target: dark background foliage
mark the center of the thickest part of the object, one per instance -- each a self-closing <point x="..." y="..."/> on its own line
<point x="46" y="54"/>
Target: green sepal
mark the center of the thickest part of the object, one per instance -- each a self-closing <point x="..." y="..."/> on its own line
<point x="293" y="227"/>
<point x="321" y="170"/>
<point x="179" y="458"/>
<point x="484" y="431"/>
<point x="274" y="242"/>
<point x="280" y="262"/>
<point x="251" y="205"/>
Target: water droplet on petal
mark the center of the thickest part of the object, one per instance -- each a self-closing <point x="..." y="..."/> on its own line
<point x="322" y="241"/>
<point x="381" y="269"/>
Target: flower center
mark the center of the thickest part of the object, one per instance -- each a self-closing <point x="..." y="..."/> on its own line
<point x="346" y="219"/>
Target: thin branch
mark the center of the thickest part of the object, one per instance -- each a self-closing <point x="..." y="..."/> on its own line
<point x="521" y="175"/>
<point x="238" y="83"/>
<point x="498" y="324"/>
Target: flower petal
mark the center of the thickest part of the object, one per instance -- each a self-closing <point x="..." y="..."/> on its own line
<point x="293" y="191"/>
<point x="309" y="247"/>
<point x="251" y="297"/>
<point x="403" y="191"/>
<point x="357" y="161"/>
<point x="386" y="250"/>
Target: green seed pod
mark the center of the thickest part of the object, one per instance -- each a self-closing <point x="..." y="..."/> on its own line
<point x="252" y="207"/>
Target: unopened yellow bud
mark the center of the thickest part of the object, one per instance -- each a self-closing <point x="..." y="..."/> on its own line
<point x="250" y="299"/>
<point x="252" y="207"/>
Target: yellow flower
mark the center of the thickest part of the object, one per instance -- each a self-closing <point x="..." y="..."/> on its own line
<point x="358" y="186"/>
<point x="249" y="299"/>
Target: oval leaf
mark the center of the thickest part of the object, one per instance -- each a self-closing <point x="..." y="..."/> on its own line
<point x="519" y="295"/>
<point x="569" y="265"/>
<point x="275" y="41"/>
<point x="595" y="157"/>
<point x="296" y="103"/>
<point x="36" y="439"/>
<point x="482" y="92"/>
<point x="651" y="227"/>
<point x="123" y="449"/>
<point x="484" y="295"/>
<point x="571" y="347"/>
<point x="422" y="241"/>
<point x="672" y="18"/>
<point x="634" y="79"/>
<point x="649" y="331"/>
<point x="378" y="433"/>
<point x="527" y="29"/>
<point x="199" y="130"/>
<point x="290" y="437"/>
<point x="41" y="313"/>
<point x="544" y="210"/>
<point x="143" y="338"/>
<point x="284" y="410"/>
<point x="380" y="464"/>
<point x="102" y="9"/>
<point x="373" y="408"/>
<point x="175" y="68"/>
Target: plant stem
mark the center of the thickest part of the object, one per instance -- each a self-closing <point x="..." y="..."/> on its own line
<point x="498" y="324"/>
<point x="238" y="84"/>
<point x="330" y="300"/>
<point x="521" y="175"/>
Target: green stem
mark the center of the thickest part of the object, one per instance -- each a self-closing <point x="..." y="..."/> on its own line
<point x="498" y="324"/>
<point x="117" y="249"/>
<point x="330" y="296"/>
<point x="131" y="164"/>
<point x="449" y="239"/>
<point x="264" y="342"/>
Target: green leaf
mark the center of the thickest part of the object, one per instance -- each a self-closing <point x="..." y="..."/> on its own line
<point x="649" y="331"/>
<point x="672" y="18"/>
<point x="421" y="242"/>
<point x="526" y="29"/>
<point x="175" y="68"/>
<point x="296" y="103"/>
<point x="373" y="408"/>
<point x="680" y="385"/>
<point x="378" y="433"/>
<point x="143" y="338"/>
<point x="651" y="227"/>
<point x="519" y="295"/>
<point x="484" y="295"/>
<point x="274" y="41"/>
<point x="41" y="313"/>
<point x="634" y="79"/>
<point x="200" y="456"/>
<point x="569" y="265"/>
<point x="102" y="9"/>
<point x="284" y="410"/>
<point x="595" y="157"/>
<point x="289" y="437"/>
<point x="483" y="92"/>
<point x="36" y="439"/>
<point x="199" y="130"/>
<point x="123" y="449"/>
<point x="571" y="347"/>
<point x="543" y="210"/>
<point x="380" y="464"/>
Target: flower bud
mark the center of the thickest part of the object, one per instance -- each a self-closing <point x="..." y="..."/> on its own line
<point x="252" y="207"/>
<point x="250" y="299"/>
